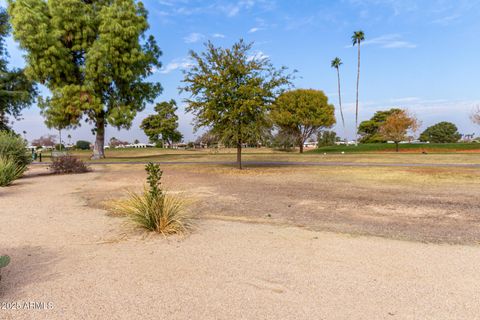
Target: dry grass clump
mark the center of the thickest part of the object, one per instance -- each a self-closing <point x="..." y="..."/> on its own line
<point x="153" y="209"/>
<point x="68" y="165"/>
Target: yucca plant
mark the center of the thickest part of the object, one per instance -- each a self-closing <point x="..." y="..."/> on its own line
<point x="153" y="209"/>
<point x="14" y="147"/>
<point x="10" y="170"/>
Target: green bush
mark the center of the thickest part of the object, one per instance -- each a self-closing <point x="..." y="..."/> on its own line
<point x="82" y="145"/>
<point x="14" y="147"/>
<point x="153" y="209"/>
<point x="9" y="170"/>
<point x="4" y="261"/>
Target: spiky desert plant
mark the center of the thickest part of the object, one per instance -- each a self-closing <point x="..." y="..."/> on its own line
<point x="10" y="170"/>
<point x="14" y="147"/>
<point x="153" y="209"/>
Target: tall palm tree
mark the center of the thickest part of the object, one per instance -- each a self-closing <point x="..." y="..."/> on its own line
<point x="336" y="63"/>
<point x="357" y="38"/>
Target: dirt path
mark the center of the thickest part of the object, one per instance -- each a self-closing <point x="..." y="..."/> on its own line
<point x="61" y="254"/>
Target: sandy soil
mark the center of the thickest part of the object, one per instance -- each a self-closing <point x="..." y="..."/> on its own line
<point x="90" y="266"/>
<point x="421" y="204"/>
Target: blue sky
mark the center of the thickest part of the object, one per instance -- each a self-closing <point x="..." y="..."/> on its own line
<point x="420" y="55"/>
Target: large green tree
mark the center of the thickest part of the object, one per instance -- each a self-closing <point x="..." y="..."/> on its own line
<point x="357" y="38"/>
<point x="93" y="56"/>
<point x="369" y="129"/>
<point x="303" y="112"/>
<point x="442" y="132"/>
<point x="16" y="91"/>
<point x="231" y="91"/>
<point x="163" y="126"/>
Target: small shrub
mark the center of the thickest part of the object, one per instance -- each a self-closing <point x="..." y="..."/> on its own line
<point x="14" y="147"/>
<point x="153" y="209"/>
<point x="4" y="261"/>
<point x="10" y="170"/>
<point x="68" y="164"/>
<point x="82" y="145"/>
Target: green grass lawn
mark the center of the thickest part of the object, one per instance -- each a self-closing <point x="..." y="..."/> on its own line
<point x="352" y="154"/>
<point x="407" y="147"/>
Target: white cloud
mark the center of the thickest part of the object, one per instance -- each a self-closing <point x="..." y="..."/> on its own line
<point x="257" y="55"/>
<point x="389" y="41"/>
<point x="218" y="35"/>
<point x="176" y="64"/>
<point x="253" y="30"/>
<point x="194" y="37"/>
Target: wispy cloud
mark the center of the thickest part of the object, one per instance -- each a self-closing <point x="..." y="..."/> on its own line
<point x="218" y="35"/>
<point x="258" y="55"/>
<point x="255" y="29"/>
<point x="194" y="37"/>
<point x="447" y="19"/>
<point x="176" y="64"/>
<point x="224" y="7"/>
<point x="389" y="41"/>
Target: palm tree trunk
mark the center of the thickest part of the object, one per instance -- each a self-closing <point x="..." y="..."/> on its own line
<point x="356" y="105"/>
<point x="340" y="101"/>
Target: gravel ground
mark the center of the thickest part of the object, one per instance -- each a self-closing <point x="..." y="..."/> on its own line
<point x="88" y="265"/>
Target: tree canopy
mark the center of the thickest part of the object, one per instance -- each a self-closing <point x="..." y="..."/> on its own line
<point x="303" y="112"/>
<point x="369" y="129"/>
<point x="93" y="56"/>
<point x="442" y="132"/>
<point x="16" y="91"/>
<point x="397" y="125"/>
<point x="231" y="91"/>
<point x="163" y="126"/>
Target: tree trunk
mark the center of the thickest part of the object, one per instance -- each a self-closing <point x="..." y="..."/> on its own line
<point x="340" y="101"/>
<point x="301" y="146"/>
<point x="239" y="154"/>
<point x="356" y="105"/>
<point x="396" y="146"/>
<point x="98" y="148"/>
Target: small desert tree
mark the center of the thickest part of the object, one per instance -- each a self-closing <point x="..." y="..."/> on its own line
<point x="397" y="125"/>
<point x="303" y="112"/>
<point x="163" y="126"/>
<point x="93" y="56"/>
<point x="231" y="91"/>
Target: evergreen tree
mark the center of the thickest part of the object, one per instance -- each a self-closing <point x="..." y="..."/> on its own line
<point x="16" y="91"/>
<point x="163" y="126"/>
<point x="93" y="56"/>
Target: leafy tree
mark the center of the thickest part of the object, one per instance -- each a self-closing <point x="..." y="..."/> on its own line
<point x="45" y="141"/>
<point x="283" y="140"/>
<point x="82" y="145"/>
<point x="231" y="91"/>
<point x="357" y="38"/>
<point x="302" y="112"/>
<point x="326" y="138"/>
<point x="16" y="91"/>
<point x="369" y="129"/>
<point x="442" y="132"/>
<point x="114" y="142"/>
<point x="94" y="58"/>
<point x="475" y="116"/>
<point x="163" y="126"/>
<point x="336" y="63"/>
<point x="397" y="125"/>
<point x="208" y="138"/>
